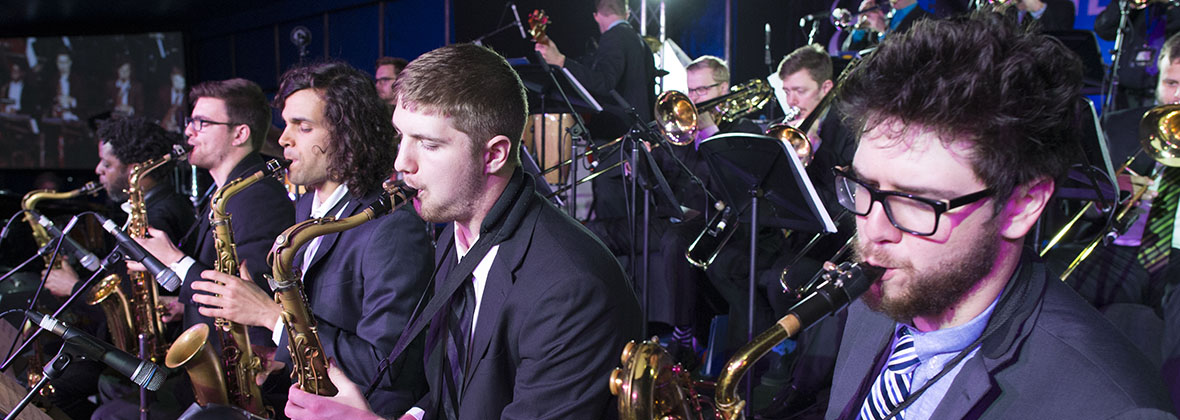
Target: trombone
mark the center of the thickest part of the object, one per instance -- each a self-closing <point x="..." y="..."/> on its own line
<point x="1159" y="136"/>
<point x="676" y="120"/>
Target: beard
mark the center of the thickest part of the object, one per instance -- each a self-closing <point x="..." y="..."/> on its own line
<point x="117" y="190"/>
<point x="935" y="291"/>
<point x="460" y="204"/>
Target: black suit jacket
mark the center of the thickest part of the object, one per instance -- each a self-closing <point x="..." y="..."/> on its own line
<point x="1055" y="357"/>
<point x="623" y="63"/>
<point x="1122" y="139"/>
<point x="362" y="284"/>
<point x="168" y="210"/>
<point x="259" y="214"/>
<point x="555" y="313"/>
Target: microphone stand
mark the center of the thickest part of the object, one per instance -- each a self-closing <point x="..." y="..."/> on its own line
<point x="1112" y="77"/>
<point x="578" y="132"/>
<point x="111" y="258"/>
<point x="52" y="370"/>
<point x="23" y="264"/>
<point x="479" y="40"/>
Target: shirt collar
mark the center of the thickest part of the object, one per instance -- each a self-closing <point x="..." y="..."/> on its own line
<point x="319" y="210"/>
<point x="950" y="340"/>
<point x="616" y="23"/>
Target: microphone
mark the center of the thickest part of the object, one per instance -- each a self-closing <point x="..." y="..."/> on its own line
<point x="144" y="373"/>
<point x="766" y="45"/>
<point x="85" y="257"/>
<point x="164" y="276"/>
<point x="812" y="17"/>
<point x="519" y="25"/>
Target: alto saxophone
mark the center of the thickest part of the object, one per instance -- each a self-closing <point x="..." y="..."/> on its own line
<point x="143" y="313"/>
<point x="230" y="380"/>
<point x="41" y="236"/>
<point x="310" y="368"/>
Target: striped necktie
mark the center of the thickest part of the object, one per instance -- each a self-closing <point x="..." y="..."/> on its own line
<point x="1157" y="237"/>
<point x="893" y="384"/>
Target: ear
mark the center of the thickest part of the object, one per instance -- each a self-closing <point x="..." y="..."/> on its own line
<point x="496" y="154"/>
<point x="1025" y="207"/>
<point x="241" y="135"/>
<point x="825" y="87"/>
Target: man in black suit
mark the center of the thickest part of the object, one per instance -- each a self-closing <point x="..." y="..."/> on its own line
<point x="228" y="125"/>
<point x="624" y="64"/>
<point x="361" y="284"/>
<point x="122" y="143"/>
<point x="1113" y="274"/>
<point x="529" y="309"/>
<point x="951" y="173"/>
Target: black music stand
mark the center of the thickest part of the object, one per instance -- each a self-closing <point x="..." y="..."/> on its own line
<point x="566" y="96"/>
<point x="758" y="175"/>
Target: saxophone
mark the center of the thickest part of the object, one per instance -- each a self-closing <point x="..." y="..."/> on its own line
<point x="230" y="380"/>
<point x="310" y="368"/>
<point x="651" y="386"/>
<point x="143" y="313"/>
<point x="41" y="236"/>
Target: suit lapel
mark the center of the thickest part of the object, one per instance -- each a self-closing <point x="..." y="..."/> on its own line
<point x="864" y="334"/>
<point x="329" y="240"/>
<point x="970" y="385"/>
<point x="501" y="278"/>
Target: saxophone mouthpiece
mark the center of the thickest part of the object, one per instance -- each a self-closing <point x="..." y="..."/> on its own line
<point x="178" y="153"/>
<point x="398" y="191"/>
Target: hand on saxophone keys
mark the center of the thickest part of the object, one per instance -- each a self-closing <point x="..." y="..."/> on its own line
<point x="237" y="299"/>
<point x="60" y="281"/>
<point x="348" y="403"/>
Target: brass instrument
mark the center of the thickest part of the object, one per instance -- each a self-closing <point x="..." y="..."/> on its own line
<point x="650" y="386"/>
<point x="230" y="381"/>
<point x="722" y="226"/>
<point x="143" y="314"/>
<point x="1159" y="136"/>
<point x="310" y="366"/>
<point x="42" y="238"/>
<point x="677" y="115"/>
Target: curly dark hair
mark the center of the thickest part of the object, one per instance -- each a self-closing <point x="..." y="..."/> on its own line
<point x="1013" y="94"/>
<point x="137" y="140"/>
<point x="364" y="144"/>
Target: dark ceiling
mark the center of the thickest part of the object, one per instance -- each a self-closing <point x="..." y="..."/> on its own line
<point x="64" y="17"/>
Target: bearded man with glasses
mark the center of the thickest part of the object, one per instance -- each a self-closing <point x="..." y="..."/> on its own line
<point x="958" y="155"/>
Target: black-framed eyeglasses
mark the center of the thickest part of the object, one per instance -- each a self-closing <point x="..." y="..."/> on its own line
<point x="201" y="123"/>
<point x="907" y="212"/>
<point x="703" y="89"/>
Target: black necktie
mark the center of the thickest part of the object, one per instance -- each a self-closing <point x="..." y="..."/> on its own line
<point x="462" y="310"/>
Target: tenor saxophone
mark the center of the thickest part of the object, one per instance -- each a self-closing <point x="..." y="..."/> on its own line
<point x="143" y="313"/>
<point x="310" y="368"/>
<point x="41" y="236"/>
<point x="230" y="380"/>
